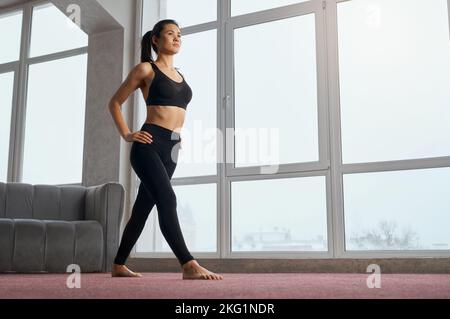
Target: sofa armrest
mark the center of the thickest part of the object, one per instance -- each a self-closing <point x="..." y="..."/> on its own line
<point x="105" y="203"/>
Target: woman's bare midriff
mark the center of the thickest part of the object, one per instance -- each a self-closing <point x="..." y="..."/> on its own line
<point x="168" y="116"/>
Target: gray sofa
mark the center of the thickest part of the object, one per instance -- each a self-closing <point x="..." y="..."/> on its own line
<point x="45" y="228"/>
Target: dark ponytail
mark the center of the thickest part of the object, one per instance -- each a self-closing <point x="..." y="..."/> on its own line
<point x="146" y="52"/>
<point x="146" y="42"/>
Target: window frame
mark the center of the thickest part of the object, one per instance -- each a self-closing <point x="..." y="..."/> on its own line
<point x="21" y="69"/>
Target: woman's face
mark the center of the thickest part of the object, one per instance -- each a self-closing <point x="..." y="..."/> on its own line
<point x="170" y="39"/>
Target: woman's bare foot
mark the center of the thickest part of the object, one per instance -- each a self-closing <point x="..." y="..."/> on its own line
<point x="123" y="271"/>
<point x="192" y="270"/>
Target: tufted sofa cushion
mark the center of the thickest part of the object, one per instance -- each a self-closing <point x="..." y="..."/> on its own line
<point x="26" y="201"/>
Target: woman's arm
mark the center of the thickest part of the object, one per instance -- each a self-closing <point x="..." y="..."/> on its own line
<point x="131" y="83"/>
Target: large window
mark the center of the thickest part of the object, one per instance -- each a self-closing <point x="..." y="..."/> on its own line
<point x="268" y="220"/>
<point x="394" y="70"/>
<point x="54" y="130"/>
<point x="394" y="76"/>
<point x="43" y="88"/>
<point x="198" y="157"/>
<point x="11" y="21"/>
<point x="347" y="103"/>
<point x="46" y="38"/>
<point x="398" y="210"/>
<point x="276" y="91"/>
<point x="241" y="7"/>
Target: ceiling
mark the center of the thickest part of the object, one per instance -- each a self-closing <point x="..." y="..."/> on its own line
<point x="10" y="3"/>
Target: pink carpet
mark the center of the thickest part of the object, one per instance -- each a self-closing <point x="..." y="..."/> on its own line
<point x="242" y="286"/>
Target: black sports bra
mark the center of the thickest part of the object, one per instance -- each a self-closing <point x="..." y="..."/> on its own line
<point x="165" y="91"/>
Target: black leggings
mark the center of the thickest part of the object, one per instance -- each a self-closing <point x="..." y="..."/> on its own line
<point x="154" y="164"/>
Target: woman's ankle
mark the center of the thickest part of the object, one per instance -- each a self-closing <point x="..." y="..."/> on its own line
<point x="189" y="264"/>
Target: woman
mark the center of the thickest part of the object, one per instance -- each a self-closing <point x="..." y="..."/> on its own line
<point x="155" y="147"/>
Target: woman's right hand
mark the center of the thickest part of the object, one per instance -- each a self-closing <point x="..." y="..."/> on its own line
<point x="139" y="136"/>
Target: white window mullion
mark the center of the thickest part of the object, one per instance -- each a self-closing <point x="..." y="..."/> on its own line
<point x="20" y="107"/>
<point x="224" y="85"/>
<point x="337" y="205"/>
<point x="10" y="173"/>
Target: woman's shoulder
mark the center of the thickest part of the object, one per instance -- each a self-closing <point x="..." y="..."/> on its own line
<point x="144" y="70"/>
<point x="141" y="72"/>
<point x="143" y="66"/>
